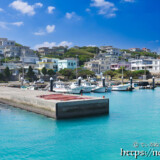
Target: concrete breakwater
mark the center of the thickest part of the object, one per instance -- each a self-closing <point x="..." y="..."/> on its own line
<point x="54" y="108"/>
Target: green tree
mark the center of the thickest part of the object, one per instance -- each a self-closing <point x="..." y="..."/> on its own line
<point x="69" y="73"/>
<point x="1" y="77"/>
<point x="44" y="70"/>
<point x="7" y="73"/>
<point x="51" y="72"/>
<point x="30" y="73"/>
<point x="110" y="73"/>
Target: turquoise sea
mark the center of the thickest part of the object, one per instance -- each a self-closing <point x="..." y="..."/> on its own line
<point x="134" y="117"/>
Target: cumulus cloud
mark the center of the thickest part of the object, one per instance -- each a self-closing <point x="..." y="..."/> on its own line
<point x="51" y="9"/>
<point x="72" y="15"/>
<point x="50" y="28"/>
<point x="105" y="8"/>
<point x="24" y="7"/>
<point x="1" y="10"/>
<point x="52" y="44"/>
<point x="5" y="25"/>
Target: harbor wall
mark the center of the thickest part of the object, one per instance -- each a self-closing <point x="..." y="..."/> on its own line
<point x="31" y="101"/>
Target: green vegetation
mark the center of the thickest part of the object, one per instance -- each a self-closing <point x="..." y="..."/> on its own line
<point x="17" y="44"/>
<point x="126" y="74"/>
<point x="70" y="74"/>
<point x="51" y="72"/>
<point x="10" y="59"/>
<point x="44" y="71"/>
<point x="7" y="73"/>
<point x="83" y="55"/>
<point x="137" y="54"/>
<point x="30" y="74"/>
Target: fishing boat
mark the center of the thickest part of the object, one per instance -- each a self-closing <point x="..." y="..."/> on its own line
<point x="86" y="87"/>
<point x="121" y="87"/>
<point x="100" y="88"/>
<point x="60" y="87"/>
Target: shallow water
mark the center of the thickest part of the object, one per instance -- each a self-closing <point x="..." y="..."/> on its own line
<point x="134" y="117"/>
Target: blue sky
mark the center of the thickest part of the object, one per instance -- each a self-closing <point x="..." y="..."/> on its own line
<point x="121" y="23"/>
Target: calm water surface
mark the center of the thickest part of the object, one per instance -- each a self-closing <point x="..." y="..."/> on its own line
<point x="134" y="117"/>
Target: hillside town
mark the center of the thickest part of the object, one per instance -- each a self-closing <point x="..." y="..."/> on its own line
<point x="17" y="60"/>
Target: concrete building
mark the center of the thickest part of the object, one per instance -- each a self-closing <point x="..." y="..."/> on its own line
<point x="135" y="49"/>
<point x="146" y="50"/>
<point x="48" y="63"/>
<point x="29" y="59"/>
<point x="58" y="51"/>
<point x="67" y="63"/>
<point x="110" y="50"/>
<point x="11" y="49"/>
<point x="98" y="66"/>
<point x="124" y="64"/>
<point x="153" y="65"/>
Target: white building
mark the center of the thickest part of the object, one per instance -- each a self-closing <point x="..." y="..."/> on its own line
<point x="29" y="59"/>
<point x="153" y="65"/>
<point x="48" y="63"/>
<point x="67" y="63"/>
<point x="110" y="50"/>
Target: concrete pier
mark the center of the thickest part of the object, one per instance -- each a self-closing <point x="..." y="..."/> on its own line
<point x="58" y="109"/>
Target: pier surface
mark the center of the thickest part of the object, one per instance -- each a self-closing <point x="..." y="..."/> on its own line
<point x="58" y="106"/>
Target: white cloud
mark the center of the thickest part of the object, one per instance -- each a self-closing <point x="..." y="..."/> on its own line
<point x="50" y="28"/>
<point x="17" y="24"/>
<point x="72" y="15"/>
<point x="105" y="7"/>
<point x="1" y="10"/>
<point x="52" y="44"/>
<point x="50" y="9"/>
<point x="38" y="5"/>
<point x="129" y="0"/>
<point x="24" y="7"/>
<point x="5" y="25"/>
<point x="39" y="33"/>
<point x="65" y="43"/>
<point x="155" y="41"/>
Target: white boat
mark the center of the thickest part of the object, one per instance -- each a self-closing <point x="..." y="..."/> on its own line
<point x="75" y="88"/>
<point x="121" y="87"/>
<point x="99" y="89"/>
<point x="62" y="88"/>
<point x="86" y="87"/>
<point x="108" y="89"/>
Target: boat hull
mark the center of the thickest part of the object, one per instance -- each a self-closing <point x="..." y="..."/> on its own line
<point x="121" y="87"/>
<point x="99" y="90"/>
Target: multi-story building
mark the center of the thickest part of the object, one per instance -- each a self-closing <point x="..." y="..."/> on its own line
<point x="11" y="49"/>
<point x="135" y="49"/>
<point x="58" y="51"/>
<point x="48" y="63"/>
<point x="110" y="50"/>
<point x="146" y="50"/>
<point x="153" y="65"/>
<point x="124" y="64"/>
<point x="69" y="63"/>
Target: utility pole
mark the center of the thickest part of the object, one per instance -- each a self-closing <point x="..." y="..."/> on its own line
<point x="76" y="66"/>
<point x="122" y="74"/>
